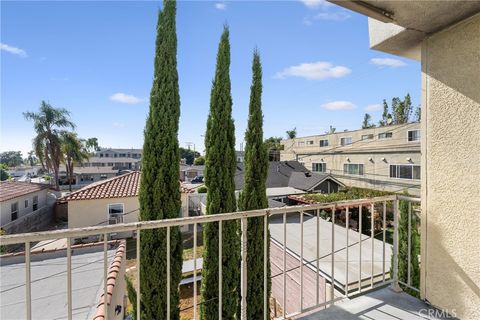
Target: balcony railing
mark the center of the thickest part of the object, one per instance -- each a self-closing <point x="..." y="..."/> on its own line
<point x="349" y="269"/>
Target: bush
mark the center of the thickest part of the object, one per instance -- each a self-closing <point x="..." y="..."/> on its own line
<point x="202" y="189"/>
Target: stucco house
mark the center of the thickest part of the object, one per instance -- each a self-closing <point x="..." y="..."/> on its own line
<point x="19" y="201"/>
<point x="110" y="201"/>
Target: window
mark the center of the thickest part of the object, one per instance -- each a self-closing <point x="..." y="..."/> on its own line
<point x="367" y="136"/>
<point x="301" y="143"/>
<point x="310" y="142"/>
<point x="115" y="213"/>
<point x="35" y="203"/>
<point x="353" y="168"/>
<point x="319" y="167"/>
<point x="323" y="143"/>
<point x="385" y="135"/>
<point x="405" y="171"/>
<point x="14" y="211"/>
<point x="413" y="135"/>
<point x="26" y="203"/>
<point x="346" y="141"/>
<point x="101" y="155"/>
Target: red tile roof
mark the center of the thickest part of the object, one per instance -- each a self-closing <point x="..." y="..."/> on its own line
<point x="127" y="185"/>
<point x="13" y="189"/>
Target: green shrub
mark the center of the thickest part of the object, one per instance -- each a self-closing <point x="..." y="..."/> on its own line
<point x="202" y="189"/>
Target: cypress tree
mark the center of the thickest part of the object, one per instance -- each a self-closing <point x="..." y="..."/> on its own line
<point x="159" y="186"/>
<point x="220" y="167"/>
<point x="254" y="196"/>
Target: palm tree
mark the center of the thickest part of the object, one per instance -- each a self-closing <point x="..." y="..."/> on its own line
<point x="292" y="134"/>
<point x="92" y="145"/>
<point x="31" y="159"/>
<point x="74" y="152"/>
<point x="48" y="124"/>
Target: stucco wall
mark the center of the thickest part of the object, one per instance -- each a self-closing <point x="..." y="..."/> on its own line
<point x="451" y="169"/>
<point x="5" y="206"/>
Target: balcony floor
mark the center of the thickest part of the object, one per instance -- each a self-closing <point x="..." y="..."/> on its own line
<point x="382" y="304"/>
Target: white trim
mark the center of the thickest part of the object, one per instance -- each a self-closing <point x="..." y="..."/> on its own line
<point x="108" y="210"/>
<point x="344" y="145"/>
<point x="385" y="132"/>
<point x="419" y="138"/>
<point x="353" y="174"/>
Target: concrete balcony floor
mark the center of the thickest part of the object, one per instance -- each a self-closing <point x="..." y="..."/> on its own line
<point x="382" y="304"/>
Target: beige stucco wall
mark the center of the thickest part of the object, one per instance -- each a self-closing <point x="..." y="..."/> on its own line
<point x="451" y="169"/>
<point x="5" y="206"/>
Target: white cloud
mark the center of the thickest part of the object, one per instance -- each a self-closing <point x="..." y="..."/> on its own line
<point x="374" y="107"/>
<point x="13" y="50"/>
<point x="314" y="4"/>
<point x="388" y="62"/>
<point x="314" y="71"/>
<point x="125" y="98"/>
<point x="332" y="16"/>
<point x="118" y="125"/>
<point x="221" y="6"/>
<point x="339" y="105"/>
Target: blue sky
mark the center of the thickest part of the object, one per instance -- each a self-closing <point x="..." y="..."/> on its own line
<point x="96" y="60"/>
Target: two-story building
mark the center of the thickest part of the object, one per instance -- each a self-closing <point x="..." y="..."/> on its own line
<point x="384" y="158"/>
<point x="120" y="159"/>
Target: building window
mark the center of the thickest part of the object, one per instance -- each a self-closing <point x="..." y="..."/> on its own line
<point x="353" y="168"/>
<point x="385" y="135"/>
<point x="405" y="171"/>
<point x="115" y="213"/>
<point x="319" y="167"/>
<point x="101" y="155"/>
<point x="323" y="143"/>
<point x="103" y="176"/>
<point x="346" y="141"/>
<point x="14" y="211"/>
<point x="301" y="143"/>
<point x="35" y="203"/>
<point x="413" y="135"/>
<point x="367" y="136"/>
<point x="26" y="203"/>
<point x="310" y="142"/>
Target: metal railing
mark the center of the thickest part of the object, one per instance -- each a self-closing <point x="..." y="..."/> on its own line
<point x="338" y="289"/>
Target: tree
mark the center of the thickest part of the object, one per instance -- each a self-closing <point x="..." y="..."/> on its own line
<point x="401" y="109"/>
<point x="403" y="250"/>
<point x="418" y="114"/>
<point x="366" y="124"/>
<point x="386" y="116"/>
<point x="31" y="159"/>
<point x="273" y="147"/>
<point x="11" y="158"/>
<point x="254" y="195"/>
<point x="74" y="152"/>
<point x="331" y="130"/>
<point x="132" y="297"/>
<point x="200" y="161"/>
<point x="159" y="194"/>
<point x="3" y="172"/>
<point x="188" y="155"/>
<point x="292" y="134"/>
<point x="92" y="145"/>
<point x="220" y="167"/>
<point x="48" y="124"/>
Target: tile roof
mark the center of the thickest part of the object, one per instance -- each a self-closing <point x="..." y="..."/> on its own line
<point x="13" y="189"/>
<point x="127" y="185"/>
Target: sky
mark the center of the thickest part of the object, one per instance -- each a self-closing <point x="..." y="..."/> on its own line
<point x="95" y="58"/>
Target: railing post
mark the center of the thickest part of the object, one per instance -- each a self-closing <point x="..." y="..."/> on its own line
<point x="139" y="295"/>
<point x="220" y="270"/>
<point x="266" y="310"/>
<point x="28" y="281"/>
<point x="346" y="262"/>
<point x="395" y="285"/>
<point x="243" y="287"/>
<point x="194" y="271"/>
<point x="69" y="278"/>
<point x="105" y="275"/>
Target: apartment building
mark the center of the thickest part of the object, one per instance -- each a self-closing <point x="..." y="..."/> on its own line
<point x="120" y="159"/>
<point x="384" y="158"/>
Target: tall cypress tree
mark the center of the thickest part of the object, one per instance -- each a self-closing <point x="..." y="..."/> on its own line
<point x="254" y="196"/>
<point x="159" y="186"/>
<point x="220" y="167"/>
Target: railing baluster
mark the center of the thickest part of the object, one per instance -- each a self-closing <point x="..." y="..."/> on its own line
<point x="69" y="278"/>
<point x="194" y="271"/>
<point x="360" y="248"/>
<point x="409" y="241"/>
<point x="265" y="266"/>
<point x="372" y="235"/>
<point x="301" y="261"/>
<point x="105" y="274"/>
<point x="243" y="288"/>
<point x="139" y="295"/>
<point x="395" y="245"/>
<point x="220" y="270"/>
<point x="28" y="281"/>
<point x="332" y="287"/>
<point x="317" y="276"/>
<point x="168" y="272"/>
<point x="346" y="263"/>
<point x="284" y="264"/>
<point x="384" y="227"/>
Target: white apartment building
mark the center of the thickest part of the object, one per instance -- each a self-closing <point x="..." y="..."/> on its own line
<point x="384" y="158"/>
<point x="119" y="159"/>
